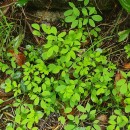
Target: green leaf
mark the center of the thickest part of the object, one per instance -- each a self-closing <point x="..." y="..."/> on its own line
<point x="117" y="112"/>
<point x="121" y="82"/>
<point x="123" y="88"/>
<point x="54" y="30"/>
<point x="1" y="101"/>
<point x="84" y="11"/>
<point x="62" y="120"/>
<point x="97" y="18"/>
<point x="88" y="107"/>
<point x="127" y="109"/>
<point x="62" y="34"/>
<point x="86" y="2"/>
<point x="34" y="128"/>
<point x="69" y="127"/>
<point x="76" y="11"/>
<point x="50" y="52"/>
<point x="21" y="2"/>
<point x="91" y="23"/>
<point x="80" y="23"/>
<point x="97" y="127"/>
<point x="125" y="4"/>
<point x="68" y="110"/>
<point x="70" y="19"/>
<point x="46" y="29"/>
<point x="36" y="33"/>
<point x="81" y="108"/>
<point x="60" y="88"/>
<point x="112" y="122"/>
<point x="71" y="4"/>
<point x="123" y="35"/>
<point x="72" y="54"/>
<point x="18" y="119"/>
<point x="111" y="127"/>
<point x="76" y="120"/>
<point x="88" y="128"/>
<point x="85" y="21"/>
<point x="17" y="41"/>
<point x="127" y="100"/>
<point x="74" y="24"/>
<point x="100" y="91"/>
<point x="94" y="97"/>
<point x="70" y="117"/>
<point x="36" y="101"/>
<point x="9" y="126"/>
<point x="16" y="75"/>
<point x="19" y="128"/>
<point x="68" y="12"/>
<point x="36" y="26"/>
<point x="83" y="117"/>
<point x="56" y="69"/>
<point x="55" y="48"/>
<point x="91" y="10"/>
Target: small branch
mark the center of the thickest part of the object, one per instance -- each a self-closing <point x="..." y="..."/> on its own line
<point x="36" y="39"/>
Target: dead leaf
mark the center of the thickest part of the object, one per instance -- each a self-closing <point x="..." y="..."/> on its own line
<point x="20" y="57"/>
<point x="102" y="120"/>
<point x="3" y="94"/>
<point x="118" y="77"/>
<point x="126" y="66"/>
<point x="87" y="42"/>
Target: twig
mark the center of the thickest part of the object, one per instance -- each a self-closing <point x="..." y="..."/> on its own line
<point x="36" y="39"/>
<point x="7" y="5"/>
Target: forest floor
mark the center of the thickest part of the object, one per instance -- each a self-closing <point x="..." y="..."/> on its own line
<point x="114" y="21"/>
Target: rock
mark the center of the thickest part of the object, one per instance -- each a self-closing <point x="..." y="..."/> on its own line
<point x="48" y="16"/>
<point x="63" y="4"/>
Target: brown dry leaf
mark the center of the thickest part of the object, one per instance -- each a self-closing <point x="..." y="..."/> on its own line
<point x="3" y="94"/>
<point x="126" y="66"/>
<point x="118" y="77"/>
<point x="6" y="101"/>
<point x="20" y="57"/>
<point x="103" y="120"/>
<point x="87" y="42"/>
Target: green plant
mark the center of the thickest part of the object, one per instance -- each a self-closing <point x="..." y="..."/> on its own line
<point x="84" y="114"/>
<point x="117" y="121"/>
<point x="60" y="70"/>
<point x="127" y="50"/>
<point x="79" y="17"/>
<point x="5" y="33"/>
<point x="21" y="2"/>
<point x="122" y="91"/>
<point x="60" y="75"/>
<point x="125" y="4"/>
<point x="25" y="116"/>
<point x="123" y="35"/>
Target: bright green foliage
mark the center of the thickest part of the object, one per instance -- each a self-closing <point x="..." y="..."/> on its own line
<point x="59" y="69"/>
<point x="26" y="116"/>
<point x="79" y="17"/>
<point x="122" y="91"/>
<point x="127" y="50"/>
<point x="125" y="4"/>
<point x="117" y="121"/>
<point x="58" y="75"/>
<point x="22" y="2"/>
<point x="123" y="35"/>
<point x="5" y="29"/>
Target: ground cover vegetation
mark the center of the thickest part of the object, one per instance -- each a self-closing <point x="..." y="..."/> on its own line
<point x="69" y="74"/>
